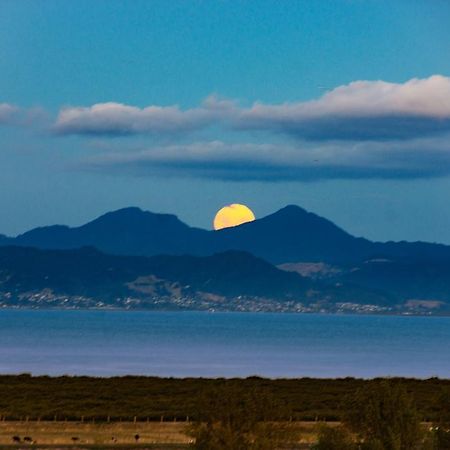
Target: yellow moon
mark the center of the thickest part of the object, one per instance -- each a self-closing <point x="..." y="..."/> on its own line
<point x="232" y="215"/>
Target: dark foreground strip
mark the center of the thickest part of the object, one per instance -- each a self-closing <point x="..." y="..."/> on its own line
<point x="132" y="398"/>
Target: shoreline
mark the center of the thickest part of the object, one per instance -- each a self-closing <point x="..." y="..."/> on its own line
<point x="213" y="311"/>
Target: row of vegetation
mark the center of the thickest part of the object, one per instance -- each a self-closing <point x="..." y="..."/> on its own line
<point x="150" y="398"/>
<point x="378" y="416"/>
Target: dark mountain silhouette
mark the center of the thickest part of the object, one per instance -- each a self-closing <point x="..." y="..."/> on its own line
<point x="128" y="231"/>
<point x="289" y="235"/>
<point x="88" y="272"/>
<point x="293" y="234"/>
<point x="27" y="275"/>
<point x="403" y="280"/>
<point x="4" y="240"/>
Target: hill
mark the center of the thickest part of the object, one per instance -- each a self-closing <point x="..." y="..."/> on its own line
<point x="128" y="231"/>
<point x="330" y="267"/>
<point x="30" y="276"/>
<point x="86" y="277"/>
<point x="289" y="235"/>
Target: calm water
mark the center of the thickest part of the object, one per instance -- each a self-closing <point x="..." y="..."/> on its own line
<point x="222" y="344"/>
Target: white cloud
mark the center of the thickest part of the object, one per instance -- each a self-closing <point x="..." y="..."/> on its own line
<point x="118" y="119"/>
<point x="361" y="110"/>
<point x="366" y="129"/>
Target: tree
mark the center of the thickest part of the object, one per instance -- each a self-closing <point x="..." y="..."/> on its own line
<point x="441" y="429"/>
<point x="231" y="417"/>
<point x="384" y="417"/>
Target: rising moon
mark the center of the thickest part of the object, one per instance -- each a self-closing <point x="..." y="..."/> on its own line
<point x="232" y="215"/>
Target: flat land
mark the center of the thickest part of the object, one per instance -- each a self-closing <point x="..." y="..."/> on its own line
<point x="101" y="434"/>
<point x="107" y="413"/>
<point x="152" y="435"/>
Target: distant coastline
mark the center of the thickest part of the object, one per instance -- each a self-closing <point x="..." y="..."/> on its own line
<point x="360" y="310"/>
<point x="289" y="261"/>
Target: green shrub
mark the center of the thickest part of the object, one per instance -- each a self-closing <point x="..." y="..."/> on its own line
<point x="234" y="418"/>
<point x="384" y="417"/>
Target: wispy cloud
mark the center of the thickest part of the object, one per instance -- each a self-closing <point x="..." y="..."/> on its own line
<point x="33" y="117"/>
<point x="7" y="113"/>
<point x="421" y="158"/>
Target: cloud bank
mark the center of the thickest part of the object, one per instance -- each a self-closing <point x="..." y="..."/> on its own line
<point x="361" y="110"/>
<point x="365" y="129"/>
<point x="424" y="158"/>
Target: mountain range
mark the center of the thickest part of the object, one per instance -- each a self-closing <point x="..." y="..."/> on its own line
<point x="88" y="277"/>
<point x="138" y="258"/>
<point x="289" y="235"/>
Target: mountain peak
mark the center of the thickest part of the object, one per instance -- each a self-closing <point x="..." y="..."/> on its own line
<point x="131" y="212"/>
<point x="291" y="210"/>
<point x="292" y="214"/>
<point x="133" y="216"/>
<point x="291" y="234"/>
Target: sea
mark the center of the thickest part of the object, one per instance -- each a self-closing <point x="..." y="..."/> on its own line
<point x="203" y="344"/>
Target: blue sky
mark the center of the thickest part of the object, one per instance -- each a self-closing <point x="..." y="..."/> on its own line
<point x="243" y="108"/>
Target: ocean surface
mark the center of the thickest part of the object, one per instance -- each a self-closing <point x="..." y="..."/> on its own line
<point x="183" y="344"/>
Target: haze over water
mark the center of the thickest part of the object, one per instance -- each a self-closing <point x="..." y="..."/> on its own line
<point x="106" y="343"/>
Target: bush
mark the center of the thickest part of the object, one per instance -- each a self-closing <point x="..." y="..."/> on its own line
<point x="384" y="417"/>
<point x="231" y="418"/>
<point x="334" y="439"/>
<point x="442" y="425"/>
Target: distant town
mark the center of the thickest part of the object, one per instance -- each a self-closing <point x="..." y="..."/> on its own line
<point x="46" y="299"/>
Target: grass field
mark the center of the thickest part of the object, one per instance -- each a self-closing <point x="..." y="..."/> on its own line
<point x="108" y="413"/>
<point x="154" y="435"/>
<point x="111" y="434"/>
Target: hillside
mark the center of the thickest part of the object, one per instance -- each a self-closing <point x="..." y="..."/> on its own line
<point x="289" y="235"/>
<point x="231" y="280"/>
<point x="128" y="231"/>
<point x="125" y="261"/>
<point x="28" y="273"/>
